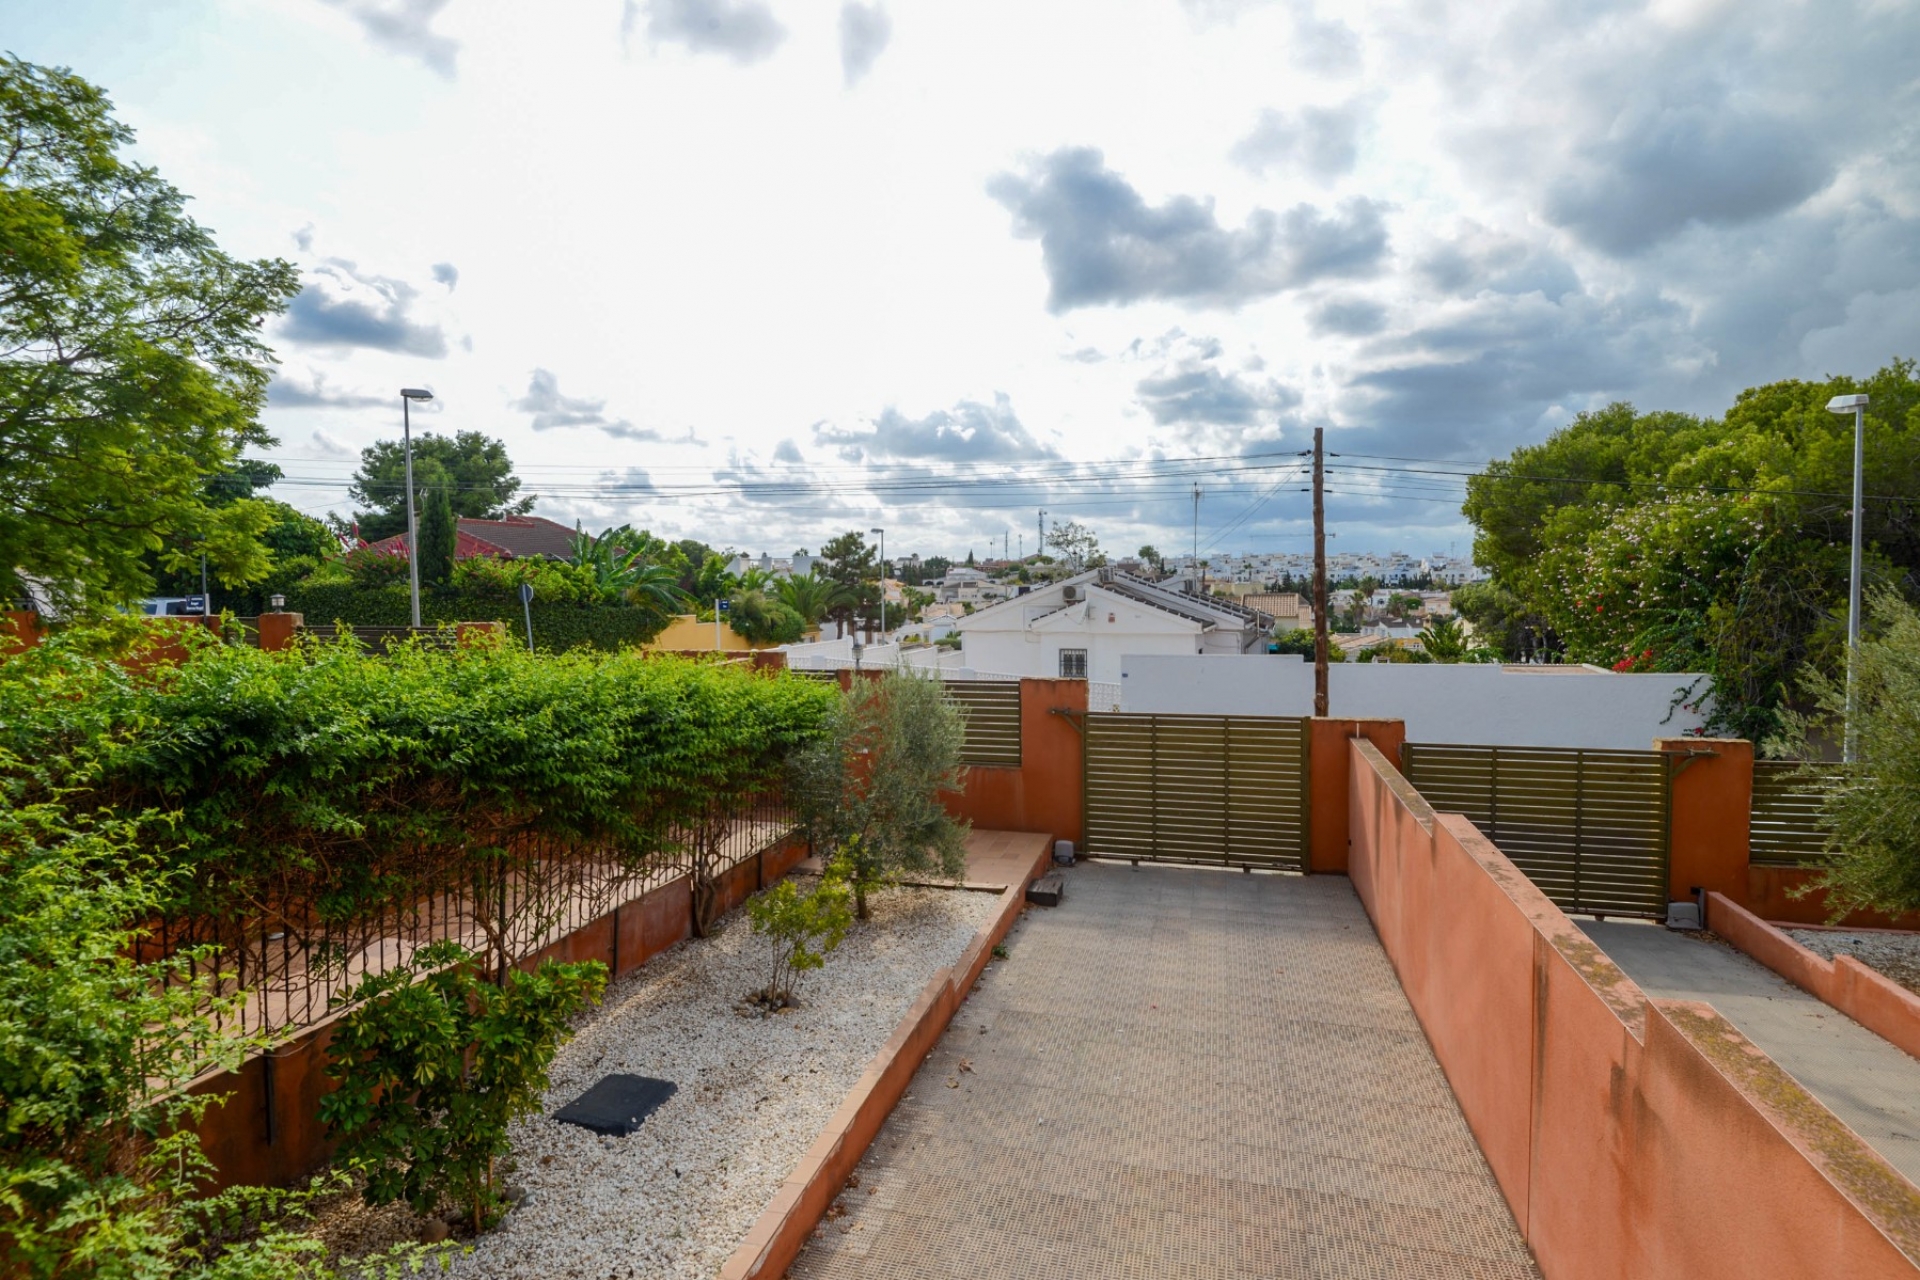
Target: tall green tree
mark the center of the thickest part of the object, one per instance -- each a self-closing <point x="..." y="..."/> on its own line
<point x="1666" y="542"/>
<point x="473" y="467"/>
<point x="809" y="595"/>
<point x="852" y="564"/>
<point x="132" y="365"/>
<point x="439" y="535"/>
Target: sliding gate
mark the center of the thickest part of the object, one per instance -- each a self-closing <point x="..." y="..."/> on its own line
<point x="1215" y="789"/>
<point x="1588" y="827"/>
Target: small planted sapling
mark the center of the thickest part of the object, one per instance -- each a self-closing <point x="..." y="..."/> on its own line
<point x="800" y="929"/>
<point x="431" y="1072"/>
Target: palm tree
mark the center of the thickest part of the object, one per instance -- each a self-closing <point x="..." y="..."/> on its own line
<point x="1444" y="641"/>
<point x="813" y="597"/>
<point x="654" y="587"/>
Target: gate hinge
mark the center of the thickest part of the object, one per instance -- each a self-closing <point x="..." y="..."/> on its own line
<point x="1678" y="760"/>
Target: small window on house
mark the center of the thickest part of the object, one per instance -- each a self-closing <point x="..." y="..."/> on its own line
<point x="1073" y="664"/>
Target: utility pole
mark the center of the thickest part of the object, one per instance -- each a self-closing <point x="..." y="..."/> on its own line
<point x="1041" y="545"/>
<point x="1196" y="539"/>
<point x="1319" y="572"/>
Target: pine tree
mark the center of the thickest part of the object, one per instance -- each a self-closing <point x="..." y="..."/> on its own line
<point x="438" y="534"/>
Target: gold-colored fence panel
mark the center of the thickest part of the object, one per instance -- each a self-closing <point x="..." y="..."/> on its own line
<point x="1589" y="827"/>
<point x="993" y="720"/>
<point x="1785" y="823"/>
<point x="1230" y="790"/>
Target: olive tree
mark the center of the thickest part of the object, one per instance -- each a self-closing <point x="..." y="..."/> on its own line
<point x="870" y="786"/>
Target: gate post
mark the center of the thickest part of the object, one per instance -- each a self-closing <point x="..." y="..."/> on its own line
<point x="1328" y="746"/>
<point x="1710" y="816"/>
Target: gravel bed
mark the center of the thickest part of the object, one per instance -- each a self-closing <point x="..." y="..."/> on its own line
<point x="676" y="1198"/>
<point x="1897" y="955"/>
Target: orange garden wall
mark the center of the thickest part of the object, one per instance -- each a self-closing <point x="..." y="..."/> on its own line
<point x="1045" y="793"/>
<point x="268" y="1132"/>
<point x="1631" y="1137"/>
<point x="1327" y="783"/>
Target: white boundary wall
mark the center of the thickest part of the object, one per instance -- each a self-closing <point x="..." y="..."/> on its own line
<point x="1516" y="706"/>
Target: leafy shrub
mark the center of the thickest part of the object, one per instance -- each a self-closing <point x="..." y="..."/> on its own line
<point x="98" y="1177"/>
<point x="1297" y="640"/>
<point x="334" y="786"/>
<point x="375" y="566"/>
<point x="500" y="579"/>
<point x="430" y="1070"/>
<point x="1873" y="809"/>
<point x="760" y="620"/>
<point x="870" y="784"/>
<point x="800" y="929"/>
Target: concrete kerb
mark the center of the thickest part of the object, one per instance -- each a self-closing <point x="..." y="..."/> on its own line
<point x="789" y="1219"/>
<point x="1864" y="994"/>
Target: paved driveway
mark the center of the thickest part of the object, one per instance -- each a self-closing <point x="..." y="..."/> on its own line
<point x="1189" y="1073"/>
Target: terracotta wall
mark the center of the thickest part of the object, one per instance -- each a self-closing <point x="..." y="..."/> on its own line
<point x="1712" y="807"/>
<point x="1046" y="792"/>
<point x="1327" y="783"/>
<point x="1631" y="1137"/>
<point x="1871" y="999"/>
<point x="267" y="1132"/>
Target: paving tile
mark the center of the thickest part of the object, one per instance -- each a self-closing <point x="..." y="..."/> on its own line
<point x="1185" y="1074"/>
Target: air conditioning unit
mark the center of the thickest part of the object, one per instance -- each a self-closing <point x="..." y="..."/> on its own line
<point x="1070" y="594"/>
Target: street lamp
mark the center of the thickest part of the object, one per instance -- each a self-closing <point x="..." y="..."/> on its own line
<point x="407" y="396"/>
<point x="1857" y="406"/>
<point x="883" y="582"/>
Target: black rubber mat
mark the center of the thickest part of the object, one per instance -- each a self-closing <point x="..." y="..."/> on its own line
<point x="617" y="1105"/>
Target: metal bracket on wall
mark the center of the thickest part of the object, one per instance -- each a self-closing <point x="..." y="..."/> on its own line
<point x="1677" y="761"/>
<point x="1075" y="717"/>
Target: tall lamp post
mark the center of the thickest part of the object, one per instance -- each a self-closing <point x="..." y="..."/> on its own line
<point x="407" y="396"/>
<point x="1857" y="406"/>
<point x="883" y="582"/>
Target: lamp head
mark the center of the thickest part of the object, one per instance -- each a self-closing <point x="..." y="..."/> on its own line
<point x="1846" y="404"/>
<point x="415" y="393"/>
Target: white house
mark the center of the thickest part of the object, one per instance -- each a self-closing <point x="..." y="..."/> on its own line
<point x="1080" y="626"/>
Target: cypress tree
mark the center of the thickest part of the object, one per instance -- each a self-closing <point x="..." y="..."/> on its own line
<point x="438" y="533"/>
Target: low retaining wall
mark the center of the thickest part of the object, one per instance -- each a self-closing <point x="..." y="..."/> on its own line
<point x="1631" y="1137"/>
<point x="784" y="1225"/>
<point x="1866" y="995"/>
<point x="267" y="1131"/>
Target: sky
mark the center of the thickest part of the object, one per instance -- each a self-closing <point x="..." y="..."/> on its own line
<point x="763" y="271"/>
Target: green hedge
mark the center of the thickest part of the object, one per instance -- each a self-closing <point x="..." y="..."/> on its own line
<point x="556" y="627"/>
<point x="326" y="777"/>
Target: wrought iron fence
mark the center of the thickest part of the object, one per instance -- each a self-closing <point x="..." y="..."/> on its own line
<point x="288" y="964"/>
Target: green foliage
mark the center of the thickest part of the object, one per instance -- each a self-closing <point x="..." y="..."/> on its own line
<point x="870" y="785"/>
<point x="375" y="566"/>
<point x="439" y="536"/>
<point x="133" y="364"/>
<point x="800" y="929"/>
<point x="472" y="467"/>
<point x="1076" y="545"/>
<point x="1664" y="542"/>
<point x="96" y="1045"/>
<point x="1297" y="640"/>
<point x="330" y="780"/>
<point x="852" y="565"/>
<point x="812" y="597"/>
<point x="1443" y="640"/>
<point x="486" y="590"/>
<point x="432" y="1065"/>
<point x="1872" y="808"/>
<point x="760" y="620"/>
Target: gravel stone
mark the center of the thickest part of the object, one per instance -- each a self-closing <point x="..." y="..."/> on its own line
<point x="675" y="1198"/>
<point x="1896" y="955"/>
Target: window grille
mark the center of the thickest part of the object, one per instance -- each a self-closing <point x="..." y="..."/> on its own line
<point x="1073" y="664"/>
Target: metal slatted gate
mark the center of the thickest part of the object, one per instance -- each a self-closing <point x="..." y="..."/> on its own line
<point x="1588" y="827"/>
<point x="1786" y="825"/>
<point x="1214" y="789"/>
<point x="993" y="720"/>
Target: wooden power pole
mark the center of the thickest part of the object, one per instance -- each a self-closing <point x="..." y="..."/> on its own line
<point x="1319" y="572"/>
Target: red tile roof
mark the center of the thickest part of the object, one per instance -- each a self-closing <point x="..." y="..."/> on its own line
<point x="515" y="537"/>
